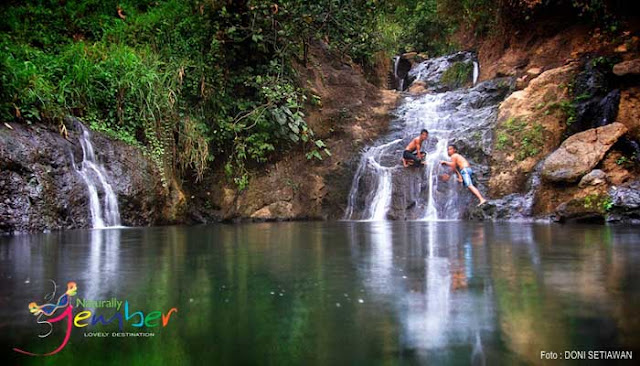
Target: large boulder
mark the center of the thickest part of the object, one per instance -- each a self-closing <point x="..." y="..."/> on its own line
<point x="580" y="153"/>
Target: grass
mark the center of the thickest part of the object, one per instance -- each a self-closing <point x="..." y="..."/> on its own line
<point x="527" y="139"/>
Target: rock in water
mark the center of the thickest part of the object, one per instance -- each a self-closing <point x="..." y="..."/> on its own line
<point x="580" y="153"/>
<point x="594" y="178"/>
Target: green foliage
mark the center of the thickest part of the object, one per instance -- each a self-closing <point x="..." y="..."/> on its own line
<point x="417" y="25"/>
<point x="626" y="161"/>
<point x="527" y="139"/>
<point x="568" y="107"/>
<point x="459" y="74"/>
<point x="599" y="202"/>
<point x="503" y="141"/>
<point x="187" y="81"/>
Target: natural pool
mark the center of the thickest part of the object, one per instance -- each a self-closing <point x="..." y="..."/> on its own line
<point x="326" y="293"/>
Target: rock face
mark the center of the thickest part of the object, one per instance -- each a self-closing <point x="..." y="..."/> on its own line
<point x="580" y="153"/>
<point x="596" y="101"/>
<point x="629" y="111"/>
<point x="631" y="67"/>
<point x="41" y="190"/>
<point x="532" y="113"/>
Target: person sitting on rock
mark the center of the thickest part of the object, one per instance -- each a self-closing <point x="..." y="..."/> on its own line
<point x="417" y="159"/>
<point x="462" y="167"/>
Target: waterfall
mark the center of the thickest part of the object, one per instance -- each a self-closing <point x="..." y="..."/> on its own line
<point x="105" y="213"/>
<point x="476" y="72"/>
<point x="383" y="189"/>
<point x="398" y="80"/>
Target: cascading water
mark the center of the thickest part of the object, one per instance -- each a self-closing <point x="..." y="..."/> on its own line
<point x="105" y="213"/>
<point x="476" y="72"/>
<point x="398" y="80"/>
<point x="383" y="189"/>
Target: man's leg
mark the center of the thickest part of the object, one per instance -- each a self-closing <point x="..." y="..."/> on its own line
<point x="411" y="157"/>
<point x="467" y="179"/>
<point x="476" y="192"/>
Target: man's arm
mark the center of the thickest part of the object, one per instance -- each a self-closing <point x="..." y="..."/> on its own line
<point x="459" y="175"/>
<point x="418" y="146"/>
<point x="449" y="163"/>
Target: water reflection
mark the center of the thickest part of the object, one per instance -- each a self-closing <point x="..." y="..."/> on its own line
<point x="337" y="293"/>
<point x="103" y="263"/>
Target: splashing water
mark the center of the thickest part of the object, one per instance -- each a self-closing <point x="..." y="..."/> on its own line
<point x="106" y="213"/>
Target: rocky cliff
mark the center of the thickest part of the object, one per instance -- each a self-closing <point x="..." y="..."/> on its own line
<point x="41" y="190"/>
<point x="567" y="140"/>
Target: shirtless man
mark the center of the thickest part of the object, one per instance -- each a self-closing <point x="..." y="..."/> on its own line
<point x="462" y="168"/>
<point x="416" y="159"/>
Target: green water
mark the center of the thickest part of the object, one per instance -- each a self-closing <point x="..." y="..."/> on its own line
<point x="320" y="293"/>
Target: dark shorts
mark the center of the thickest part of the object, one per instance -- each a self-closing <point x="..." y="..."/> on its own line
<point x="408" y="155"/>
<point x="467" y="177"/>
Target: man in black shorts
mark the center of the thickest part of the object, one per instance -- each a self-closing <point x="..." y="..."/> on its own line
<point x="417" y="159"/>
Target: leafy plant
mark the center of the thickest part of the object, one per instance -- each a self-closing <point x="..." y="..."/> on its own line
<point x="603" y="203"/>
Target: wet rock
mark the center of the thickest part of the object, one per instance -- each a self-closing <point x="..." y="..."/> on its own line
<point x="595" y="103"/>
<point x="625" y="202"/>
<point x="406" y="202"/>
<point x="431" y="71"/>
<point x="401" y="67"/>
<point x="593" y="178"/>
<point x="631" y="67"/>
<point x="511" y="207"/>
<point x="580" y="153"/>
<point x="576" y="210"/>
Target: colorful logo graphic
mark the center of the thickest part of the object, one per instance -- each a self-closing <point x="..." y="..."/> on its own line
<point x="46" y="314"/>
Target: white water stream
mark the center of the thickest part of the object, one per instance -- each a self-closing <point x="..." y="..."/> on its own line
<point x="104" y="213"/>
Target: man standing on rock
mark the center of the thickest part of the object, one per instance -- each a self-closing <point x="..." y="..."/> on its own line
<point x="462" y="168"/>
<point x="417" y="159"/>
